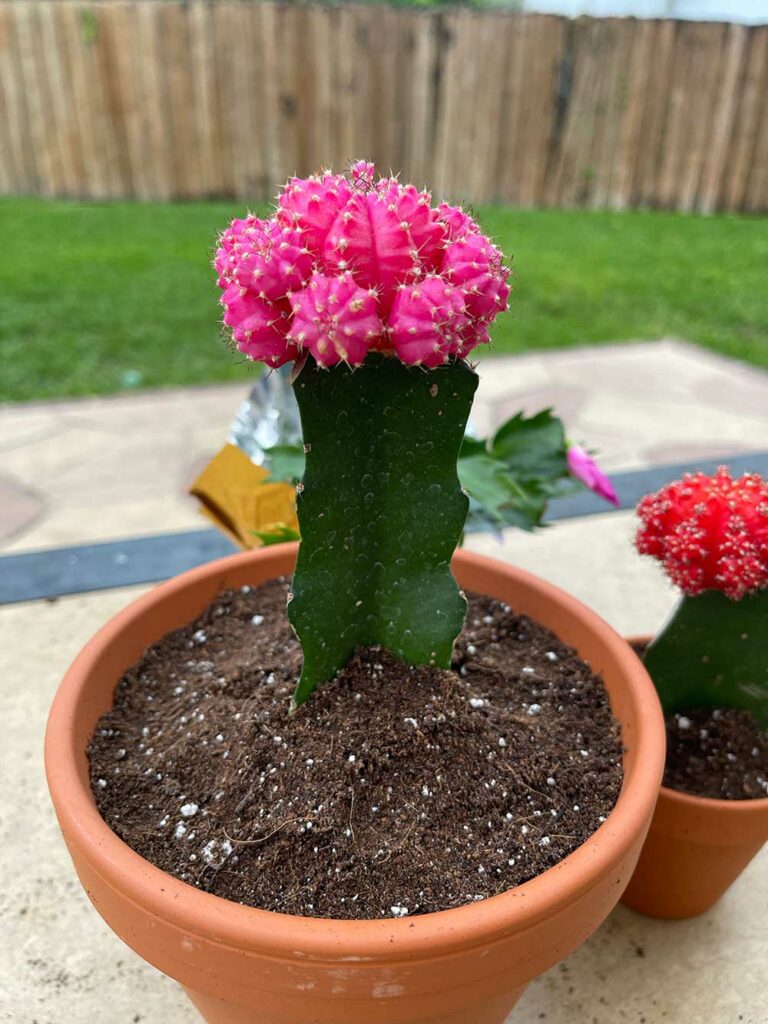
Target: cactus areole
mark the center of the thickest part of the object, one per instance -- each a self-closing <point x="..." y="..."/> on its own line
<point x="710" y="533"/>
<point x="378" y="297"/>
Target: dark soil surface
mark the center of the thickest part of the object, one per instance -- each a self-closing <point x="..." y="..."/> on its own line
<point x="392" y="791"/>
<point x="721" y="754"/>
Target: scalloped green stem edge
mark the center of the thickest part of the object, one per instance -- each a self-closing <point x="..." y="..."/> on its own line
<point x="380" y="512"/>
<point x="713" y="652"/>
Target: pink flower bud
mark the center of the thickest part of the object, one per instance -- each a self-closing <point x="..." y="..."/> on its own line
<point x="584" y="468"/>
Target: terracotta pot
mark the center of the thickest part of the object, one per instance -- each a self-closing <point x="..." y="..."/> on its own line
<point x="695" y="850"/>
<point x="245" y="966"/>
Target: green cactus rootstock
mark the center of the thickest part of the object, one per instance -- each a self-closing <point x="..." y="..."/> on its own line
<point x="380" y="513"/>
<point x="713" y="653"/>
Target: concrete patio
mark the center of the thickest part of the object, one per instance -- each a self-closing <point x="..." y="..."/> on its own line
<point x="76" y="472"/>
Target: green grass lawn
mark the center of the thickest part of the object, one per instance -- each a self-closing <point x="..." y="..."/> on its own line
<point x="97" y="298"/>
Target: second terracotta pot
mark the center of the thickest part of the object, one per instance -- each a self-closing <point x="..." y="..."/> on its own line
<point x="695" y="850"/>
<point x="245" y="966"/>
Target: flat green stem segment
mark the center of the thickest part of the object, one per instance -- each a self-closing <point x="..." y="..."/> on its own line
<point x="380" y="513"/>
<point x="713" y="653"/>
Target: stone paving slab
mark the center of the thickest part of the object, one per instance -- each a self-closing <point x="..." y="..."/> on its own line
<point x="59" y="962"/>
<point x="95" y="469"/>
<point x="107" y="467"/>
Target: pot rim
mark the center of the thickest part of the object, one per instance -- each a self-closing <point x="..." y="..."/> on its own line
<point x="329" y="939"/>
<point x="744" y="808"/>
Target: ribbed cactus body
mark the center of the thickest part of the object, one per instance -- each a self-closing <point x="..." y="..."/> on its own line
<point x="380" y="512"/>
<point x="714" y="653"/>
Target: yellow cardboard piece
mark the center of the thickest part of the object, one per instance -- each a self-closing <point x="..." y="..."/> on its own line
<point x="234" y="496"/>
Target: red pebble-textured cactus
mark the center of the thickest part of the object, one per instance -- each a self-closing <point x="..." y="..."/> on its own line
<point x="353" y="264"/>
<point x="709" y="532"/>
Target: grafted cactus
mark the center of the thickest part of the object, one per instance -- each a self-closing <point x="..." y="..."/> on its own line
<point x="711" y="536"/>
<point x="379" y="297"/>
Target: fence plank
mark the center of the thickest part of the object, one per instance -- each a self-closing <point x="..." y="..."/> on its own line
<point x="608" y="100"/>
<point x="421" y="123"/>
<point x="646" y="175"/>
<point x="223" y="29"/>
<point x="247" y="72"/>
<point x="724" y="116"/>
<point x="17" y="144"/>
<point x="677" y="123"/>
<point x="458" y="111"/>
<point x="181" y="114"/>
<point x="447" y="102"/>
<point x="571" y="182"/>
<point x="71" y="31"/>
<point x="640" y="64"/>
<point x="345" y="73"/>
<point x="8" y="183"/>
<point x="708" y="48"/>
<point x="128" y="66"/>
<point x="625" y="114"/>
<point x="112" y="48"/>
<point x="51" y="66"/>
<point x="155" y="99"/>
<point x="287" y="23"/>
<point x="323" y="150"/>
<point x="101" y="108"/>
<point x="490" y="42"/>
<point x="402" y="108"/>
<point x="751" y="102"/>
<point x="756" y="197"/>
<point x="269" y="106"/>
<point x="510" y="153"/>
<point x="549" y="33"/>
<point x="382" y="43"/>
<point x="33" y="85"/>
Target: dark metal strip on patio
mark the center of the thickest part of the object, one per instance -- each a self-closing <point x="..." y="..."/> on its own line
<point x="55" y="572"/>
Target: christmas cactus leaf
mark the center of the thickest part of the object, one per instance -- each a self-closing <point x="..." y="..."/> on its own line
<point x="285" y="462"/>
<point x="510" y="477"/>
<point x="483" y="478"/>
<point x="532" y="447"/>
<point x="380" y="513"/>
<point x="713" y="653"/>
<point x="472" y="446"/>
<point x="497" y="498"/>
<point x="277" y="534"/>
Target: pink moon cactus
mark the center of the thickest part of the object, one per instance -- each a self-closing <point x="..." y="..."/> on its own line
<point x="349" y="265"/>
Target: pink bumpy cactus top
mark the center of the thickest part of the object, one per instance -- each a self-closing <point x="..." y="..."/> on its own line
<point x="353" y="264"/>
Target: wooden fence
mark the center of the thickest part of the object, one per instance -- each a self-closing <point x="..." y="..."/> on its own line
<point x="158" y="100"/>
